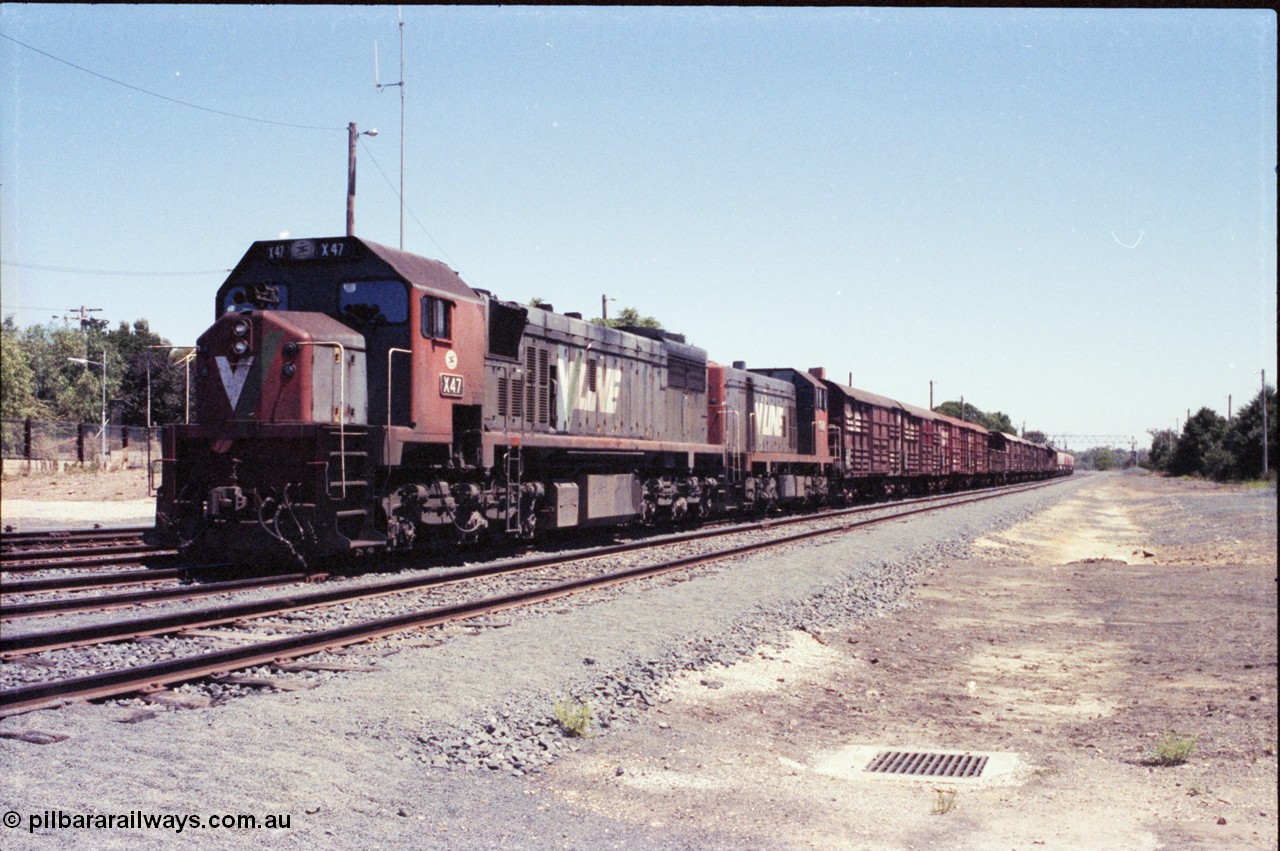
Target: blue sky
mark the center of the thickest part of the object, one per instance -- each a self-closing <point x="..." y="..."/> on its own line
<point x="1066" y="215"/>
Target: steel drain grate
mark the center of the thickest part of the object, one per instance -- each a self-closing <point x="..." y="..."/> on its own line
<point x="927" y="764"/>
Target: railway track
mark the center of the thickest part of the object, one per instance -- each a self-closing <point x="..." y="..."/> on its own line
<point x="140" y="598"/>
<point x="123" y="681"/>
<point x="71" y="550"/>
<point x="14" y="539"/>
<point x="47" y="562"/>
<point x="81" y="582"/>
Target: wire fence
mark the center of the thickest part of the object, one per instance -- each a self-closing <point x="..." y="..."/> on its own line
<point x="58" y="443"/>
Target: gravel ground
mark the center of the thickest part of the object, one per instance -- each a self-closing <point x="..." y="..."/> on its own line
<point x="435" y="748"/>
<point x="30" y="515"/>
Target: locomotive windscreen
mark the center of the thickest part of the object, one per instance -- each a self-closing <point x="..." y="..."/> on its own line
<point x="373" y="302"/>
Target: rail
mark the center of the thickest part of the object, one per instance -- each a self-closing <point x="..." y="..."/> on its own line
<point x="125" y="681"/>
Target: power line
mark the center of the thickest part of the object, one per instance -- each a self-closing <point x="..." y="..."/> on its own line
<point x="392" y="186"/>
<point x="75" y="271"/>
<point x="165" y="97"/>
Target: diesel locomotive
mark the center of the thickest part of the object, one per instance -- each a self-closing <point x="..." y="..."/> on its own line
<point x="354" y="398"/>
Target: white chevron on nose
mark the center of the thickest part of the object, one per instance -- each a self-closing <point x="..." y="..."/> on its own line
<point x="232" y="379"/>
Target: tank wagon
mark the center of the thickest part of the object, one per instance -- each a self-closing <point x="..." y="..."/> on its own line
<point x="353" y="398"/>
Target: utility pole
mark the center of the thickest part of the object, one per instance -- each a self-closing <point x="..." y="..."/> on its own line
<point x="351" y="179"/>
<point x="930" y="393"/>
<point x="352" y="135"/>
<point x="1266" y="465"/>
<point x="401" y="16"/>
<point x="82" y="314"/>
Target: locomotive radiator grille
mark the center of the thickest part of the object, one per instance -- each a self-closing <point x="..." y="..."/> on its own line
<point x="544" y="387"/>
<point x="531" y="381"/>
<point x="517" y="398"/>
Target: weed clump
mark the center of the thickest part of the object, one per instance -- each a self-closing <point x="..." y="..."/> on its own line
<point x="574" y="717"/>
<point x="945" y="801"/>
<point x="1172" y="749"/>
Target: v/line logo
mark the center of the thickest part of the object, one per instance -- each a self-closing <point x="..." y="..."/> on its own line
<point x="233" y="379"/>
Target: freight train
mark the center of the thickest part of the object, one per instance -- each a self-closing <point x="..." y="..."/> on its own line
<point x="353" y="398"/>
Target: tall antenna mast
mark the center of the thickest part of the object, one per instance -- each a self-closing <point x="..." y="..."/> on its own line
<point x="380" y="86"/>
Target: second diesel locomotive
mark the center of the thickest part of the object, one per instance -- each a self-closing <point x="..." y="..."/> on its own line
<point x="353" y="398"/>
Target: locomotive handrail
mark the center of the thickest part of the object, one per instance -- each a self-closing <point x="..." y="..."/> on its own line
<point x="736" y="448"/>
<point x="342" y="401"/>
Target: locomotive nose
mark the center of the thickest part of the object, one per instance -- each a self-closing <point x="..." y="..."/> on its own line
<point x="281" y="367"/>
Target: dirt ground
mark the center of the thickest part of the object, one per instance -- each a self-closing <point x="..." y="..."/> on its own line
<point x="1063" y="651"/>
<point x="78" y="486"/>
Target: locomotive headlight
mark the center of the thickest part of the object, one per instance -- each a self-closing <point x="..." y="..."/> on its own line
<point x="240" y="346"/>
<point x="289" y="370"/>
<point x="240" y="329"/>
<point x="290" y="349"/>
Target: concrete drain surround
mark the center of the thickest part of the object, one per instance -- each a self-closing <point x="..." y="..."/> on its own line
<point x="879" y="763"/>
<point x="962" y="766"/>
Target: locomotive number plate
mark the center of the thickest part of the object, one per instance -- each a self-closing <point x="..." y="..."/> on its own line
<point x="451" y="385"/>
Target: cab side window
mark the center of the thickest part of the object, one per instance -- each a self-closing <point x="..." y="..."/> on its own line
<point x="437" y="318"/>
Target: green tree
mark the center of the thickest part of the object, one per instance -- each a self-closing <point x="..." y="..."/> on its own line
<point x="1194" y="453"/>
<point x="1243" y="440"/>
<point x="134" y="348"/>
<point x="628" y="317"/>
<point x="17" y="381"/>
<point x="952" y="409"/>
<point x="1036" y="437"/>
<point x="998" y="421"/>
<point x="63" y="390"/>
<point x="66" y="390"/>
<point x="1163" y="442"/>
<point x="1104" y="459"/>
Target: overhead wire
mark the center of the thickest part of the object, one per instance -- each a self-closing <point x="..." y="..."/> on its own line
<point x="164" y="97"/>
<point x="76" y="271"/>
<point x="395" y="192"/>
<point x="215" y="112"/>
